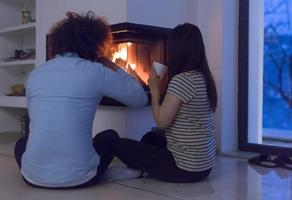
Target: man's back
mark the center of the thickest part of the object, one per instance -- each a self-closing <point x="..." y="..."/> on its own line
<point x="62" y="98"/>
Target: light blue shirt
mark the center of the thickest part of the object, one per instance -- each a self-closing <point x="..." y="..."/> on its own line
<point x="62" y="97"/>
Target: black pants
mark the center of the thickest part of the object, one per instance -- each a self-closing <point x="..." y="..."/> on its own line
<point x="151" y="156"/>
<point x="105" y="144"/>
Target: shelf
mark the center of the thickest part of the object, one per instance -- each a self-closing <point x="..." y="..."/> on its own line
<point x="13" y="1"/>
<point x="12" y="102"/>
<point x="19" y="27"/>
<point x="18" y="63"/>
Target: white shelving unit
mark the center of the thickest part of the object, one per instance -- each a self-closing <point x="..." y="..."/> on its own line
<point x="16" y="28"/>
<point x="14" y="36"/>
<point x="12" y="102"/>
<point x="18" y="63"/>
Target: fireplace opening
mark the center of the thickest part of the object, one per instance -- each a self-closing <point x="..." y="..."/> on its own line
<point x="134" y="48"/>
<point x="133" y="58"/>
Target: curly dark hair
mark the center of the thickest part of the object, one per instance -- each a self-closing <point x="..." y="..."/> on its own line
<point x="88" y="36"/>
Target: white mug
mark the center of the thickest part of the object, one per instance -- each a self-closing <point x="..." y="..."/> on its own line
<point x="160" y="69"/>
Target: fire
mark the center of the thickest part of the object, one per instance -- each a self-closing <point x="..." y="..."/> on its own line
<point x="125" y="60"/>
<point x="122" y="54"/>
<point x="133" y="66"/>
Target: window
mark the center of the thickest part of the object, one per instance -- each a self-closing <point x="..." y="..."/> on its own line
<point x="265" y="76"/>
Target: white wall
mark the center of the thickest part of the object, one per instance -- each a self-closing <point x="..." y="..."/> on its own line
<point x="166" y="13"/>
<point x="229" y="133"/>
<point x="110" y="118"/>
<point x="138" y="122"/>
<point x="209" y="20"/>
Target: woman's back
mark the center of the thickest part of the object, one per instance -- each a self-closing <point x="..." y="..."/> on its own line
<point x="190" y="136"/>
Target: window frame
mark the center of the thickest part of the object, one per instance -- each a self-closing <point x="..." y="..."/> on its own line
<point x="243" y="83"/>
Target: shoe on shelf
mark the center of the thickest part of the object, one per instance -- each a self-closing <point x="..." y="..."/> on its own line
<point x="21" y="54"/>
<point x="263" y="160"/>
<point x="26" y="54"/>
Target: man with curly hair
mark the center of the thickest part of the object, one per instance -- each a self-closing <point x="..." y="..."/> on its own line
<point x="62" y="97"/>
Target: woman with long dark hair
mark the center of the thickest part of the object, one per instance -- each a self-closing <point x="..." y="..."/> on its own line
<point x="184" y="149"/>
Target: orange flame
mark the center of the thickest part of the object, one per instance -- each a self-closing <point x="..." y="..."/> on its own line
<point x="121" y="53"/>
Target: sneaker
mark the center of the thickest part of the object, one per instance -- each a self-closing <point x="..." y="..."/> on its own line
<point x="26" y="54"/>
<point x="117" y="173"/>
<point x="283" y="161"/>
<point x="263" y="160"/>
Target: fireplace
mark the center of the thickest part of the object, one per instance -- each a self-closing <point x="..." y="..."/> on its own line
<point x="135" y="47"/>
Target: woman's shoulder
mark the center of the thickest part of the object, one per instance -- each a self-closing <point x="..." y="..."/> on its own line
<point x="182" y="86"/>
<point x="195" y="76"/>
<point x="193" y="73"/>
<point x="189" y="76"/>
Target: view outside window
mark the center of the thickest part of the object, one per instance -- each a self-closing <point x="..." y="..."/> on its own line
<point x="277" y="80"/>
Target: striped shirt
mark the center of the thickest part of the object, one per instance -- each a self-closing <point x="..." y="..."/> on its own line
<point x="190" y="136"/>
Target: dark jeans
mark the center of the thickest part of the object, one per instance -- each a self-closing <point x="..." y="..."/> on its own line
<point x="105" y="144"/>
<point x="151" y="156"/>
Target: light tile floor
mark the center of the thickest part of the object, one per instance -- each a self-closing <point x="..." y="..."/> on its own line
<point x="231" y="179"/>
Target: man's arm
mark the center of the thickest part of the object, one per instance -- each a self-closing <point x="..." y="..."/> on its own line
<point x="119" y="85"/>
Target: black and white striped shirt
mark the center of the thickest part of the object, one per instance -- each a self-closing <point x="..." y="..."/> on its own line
<point x="190" y="136"/>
